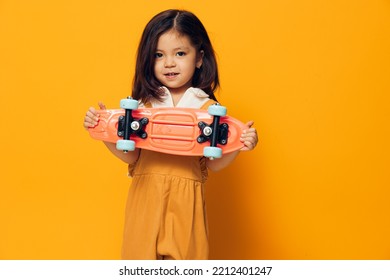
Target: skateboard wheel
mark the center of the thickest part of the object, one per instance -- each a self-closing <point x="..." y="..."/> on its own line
<point x="125" y="145"/>
<point x="217" y="110"/>
<point x="129" y="103"/>
<point x="212" y="152"/>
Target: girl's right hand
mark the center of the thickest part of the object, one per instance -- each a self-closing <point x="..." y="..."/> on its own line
<point x="92" y="117"/>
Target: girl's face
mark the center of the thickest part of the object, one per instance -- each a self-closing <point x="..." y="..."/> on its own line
<point x="175" y="61"/>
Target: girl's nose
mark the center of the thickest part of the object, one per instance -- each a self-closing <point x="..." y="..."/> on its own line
<point x="169" y="62"/>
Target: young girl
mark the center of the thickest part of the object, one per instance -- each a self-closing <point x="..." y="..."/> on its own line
<point x="165" y="212"/>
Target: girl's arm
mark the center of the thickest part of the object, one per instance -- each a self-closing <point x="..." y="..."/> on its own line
<point x="248" y="137"/>
<point x="128" y="158"/>
<point x="91" y="119"/>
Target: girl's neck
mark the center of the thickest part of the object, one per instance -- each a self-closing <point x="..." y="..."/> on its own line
<point x="177" y="95"/>
<point x="176" y="98"/>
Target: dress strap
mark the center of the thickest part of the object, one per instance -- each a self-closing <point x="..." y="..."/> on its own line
<point x="148" y="105"/>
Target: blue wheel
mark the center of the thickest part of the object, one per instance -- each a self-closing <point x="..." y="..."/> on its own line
<point x="129" y="103"/>
<point x="217" y="110"/>
<point x="212" y="152"/>
<point x="125" y="145"/>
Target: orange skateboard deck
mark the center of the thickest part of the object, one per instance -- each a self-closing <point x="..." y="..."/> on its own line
<point x="179" y="131"/>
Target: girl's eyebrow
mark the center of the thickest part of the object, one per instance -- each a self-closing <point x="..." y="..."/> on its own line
<point x="175" y="49"/>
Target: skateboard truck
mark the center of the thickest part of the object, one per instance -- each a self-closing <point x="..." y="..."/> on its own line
<point x="128" y="126"/>
<point x="215" y="132"/>
<point x="135" y="127"/>
<point x="207" y="133"/>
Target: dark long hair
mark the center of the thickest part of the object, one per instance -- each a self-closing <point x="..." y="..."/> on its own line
<point x="145" y="84"/>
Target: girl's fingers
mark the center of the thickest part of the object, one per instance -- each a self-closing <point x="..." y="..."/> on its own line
<point x="91" y="118"/>
<point x="92" y="114"/>
<point x="249" y="137"/>
<point x="250" y="124"/>
<point x="102" y="106"/>
<point x="248" y="146"/>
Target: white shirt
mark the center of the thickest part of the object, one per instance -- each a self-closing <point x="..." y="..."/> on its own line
<point x="192" y="98"/>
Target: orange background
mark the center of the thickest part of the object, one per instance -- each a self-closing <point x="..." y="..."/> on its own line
<point x="314" y="75"/>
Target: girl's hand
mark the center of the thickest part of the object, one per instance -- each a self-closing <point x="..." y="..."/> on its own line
<point x="249" y="137"/>
<point x="92" y="117"/>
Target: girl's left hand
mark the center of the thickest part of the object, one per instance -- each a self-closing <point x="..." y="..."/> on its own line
<point x="249" y="137"/>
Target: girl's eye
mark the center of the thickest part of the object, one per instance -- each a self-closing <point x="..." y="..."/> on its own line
<point x="181" y="54"/>
<point x="158" y="55"/>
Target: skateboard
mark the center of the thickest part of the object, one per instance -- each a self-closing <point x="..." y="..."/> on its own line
<point x="180" y="131"/>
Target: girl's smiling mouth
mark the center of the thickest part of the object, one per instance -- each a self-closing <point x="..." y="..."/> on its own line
<point x="172" y="74"/>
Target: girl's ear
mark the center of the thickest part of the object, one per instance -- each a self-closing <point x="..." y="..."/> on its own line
<point x="199" y="59"/>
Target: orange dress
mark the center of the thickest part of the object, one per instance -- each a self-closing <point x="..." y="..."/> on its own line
<point x="165" y="211"/>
